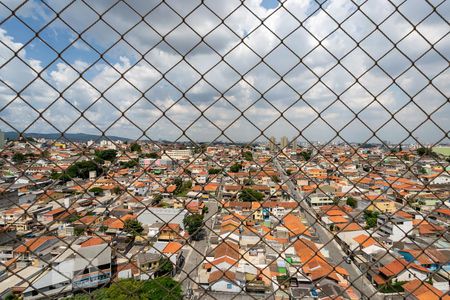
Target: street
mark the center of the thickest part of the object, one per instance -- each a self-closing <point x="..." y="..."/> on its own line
<point x="197" y="251"/>
<point x="357" y="280"/>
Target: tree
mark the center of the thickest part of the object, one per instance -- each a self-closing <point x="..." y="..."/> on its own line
<point x="351" y="202"/>
<point x="18" y="158"/>
<point x="248" y="155"/>
<point x="214" y="171"/>
<point x="157" y="198"/>
<point x="423" y="151"/>
<point x="78" y="231"/>
<point x="275" y="178"/>
<point x="235" y="168"/>
<point x="108" y="154"/>
<point x="163" y="288"/>
<point x="182" y="186"/>
<point x="82" y="168"/>
<point x="249" y="195"/>
<point x="96" y="190"/>
<point x="153" y="155"/>
<point x="133" y="227"/>
<point x="289" y="172"/>
<point x="193" y="224"/>
<point x="165" y="267"/>
<point x="306" y="155"/>
<point x="135" y="147"/>
<point x="129" y="164"/>
<point x="11" y="296"/>
<point x="371" y="218"/>
<point x="116" y="190"/>
<point x="160" y="288"/>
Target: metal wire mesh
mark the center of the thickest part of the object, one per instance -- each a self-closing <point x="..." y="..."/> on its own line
<point x="177" y="187"/>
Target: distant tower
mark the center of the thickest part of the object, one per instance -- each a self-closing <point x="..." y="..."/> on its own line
<point x="284" y="142"/>
<point x="272" y="143"/>
<point x="294" y="145"/>
<point x="2" y="139"/>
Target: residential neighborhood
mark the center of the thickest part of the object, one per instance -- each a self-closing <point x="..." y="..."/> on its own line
<point x="298" y="222"/>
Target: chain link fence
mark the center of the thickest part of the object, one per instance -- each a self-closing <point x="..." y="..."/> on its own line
<point x="224" y="149"/>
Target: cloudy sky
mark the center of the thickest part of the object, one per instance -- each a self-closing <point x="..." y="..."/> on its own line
<point x="226" y="71"/>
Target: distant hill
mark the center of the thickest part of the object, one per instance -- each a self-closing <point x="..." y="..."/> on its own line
<point x="74" y="137"/>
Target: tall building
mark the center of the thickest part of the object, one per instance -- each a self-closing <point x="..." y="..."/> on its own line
<point x="284" y="142"/>
<point x="294" y="145"/>
<point x="272" y="143"/>
<point x="2" y="139"/>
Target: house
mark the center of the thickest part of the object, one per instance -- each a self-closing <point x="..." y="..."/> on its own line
<point x="224" y="281"/>
<point x="170" y="232"/>
<point x="394" y="227"/>
<point x="420" y="290"/>
<point x="147" y="264"/>
<point x="399" y="270"/>
<point x="87" y="267"/>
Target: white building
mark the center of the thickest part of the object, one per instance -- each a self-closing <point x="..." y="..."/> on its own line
<point x="177" y="154"/>
<point x="320" y="199"/>
<point x="393" y="227"/>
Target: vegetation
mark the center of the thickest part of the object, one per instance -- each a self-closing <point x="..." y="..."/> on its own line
<point x="249" y="195"/>
<point x="135" y="147"/>
<point x="182" y="187"/>
<point x="306" y="155"/>
<point x="214" y="171"/>
<point x="165" y="267"/>
<point x="81" y="169"/>
<point x="96" y="190"/>
<point x="153" y="155"/>
<point x="423" y="151"/>
<point x="371" y="218"/>
<point x="129" y="164"/>
<point x="351" y="202"/>
<point x="160" y="288"/>
<point x="289" y="172"/>
<point x="109" y="154"/>
<point x="78" y="231"/>
<point x="116" y="190"/>
<point x="157" y="198"/>
<point x="193" y="224"/>
<point x="248" y="155"/>
<point x="275" y="178"/>
<point x="18" y="158"/>
<point x="235" y="168"/>
<point x="133" y="227"/>
<point x="392" y="287"/>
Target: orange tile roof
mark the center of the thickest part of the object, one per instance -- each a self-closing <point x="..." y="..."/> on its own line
<point x="423" y="290"/>
<point x="295" y="226"/>
<point x="220" y="260"/>
<point x="32" y="244"/>
<point x="172" y="247"/>
<point x="349" y="227"/>
<point x="93" y="241"/>
<point x="396" y="266"/>
<point x="365" y="240"/>
<point x="338" y="219"/>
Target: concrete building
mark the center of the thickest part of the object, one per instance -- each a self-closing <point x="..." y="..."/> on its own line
<point x="284" y="142"/>
<point x="294" y="144"/>
<point x="9" y="199"/>
<point x="393" y="227"/>
<point x="272" y="143"/>
<point x="2" y="139"/>
<point x="177" y="154"/>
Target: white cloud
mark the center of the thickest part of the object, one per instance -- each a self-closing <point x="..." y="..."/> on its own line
<point x="147" y="88"/>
